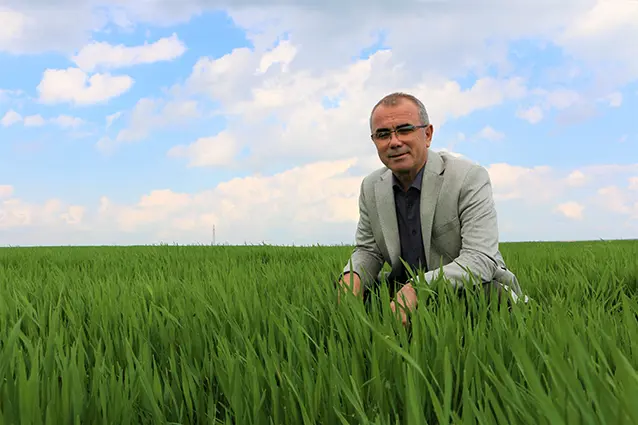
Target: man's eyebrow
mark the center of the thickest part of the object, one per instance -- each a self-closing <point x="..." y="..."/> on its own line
<point x="398" y="126"/>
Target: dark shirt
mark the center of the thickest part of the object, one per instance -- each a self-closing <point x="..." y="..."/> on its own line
<point x="408" y="208"/>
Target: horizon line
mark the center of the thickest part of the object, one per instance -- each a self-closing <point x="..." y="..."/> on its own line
<point x="262" y="244"/>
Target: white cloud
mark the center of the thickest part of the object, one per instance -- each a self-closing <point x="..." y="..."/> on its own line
<point x="530" y="185"/>
<point x="16" y="213"/>
<point x="75" y="86"/>
<point x="74" y="214"/>
<point x="610" y="169"/>
<point x="101" y="55"/>
<point x="149" y="115"/>
<point x="587" y="29"/>
<point x="533" y="114"/>
<point x="559" y="98"/>
<point x="633" y="183"/>
<point x="66" y="121"/>
<point x="572" y="210"/>
<point x="12" y="25"/>
<point x="254" y="208"/>
<point x="217" y="150"/>
<point x="153" y="114"/>
<point x="33" y="26"/>
<point x="285" y="108"/>
<point x="219" y="78"/>
<point x="10" y="118"/>
<point x="283" y="54"/>
<point x="111" y="118"/>
<point x="576" y="178"/>
<point x="604" y="17"/>
<point x="614" y="199"/>
<point x="603" y="35"/>
<point x="488" y="133"/>
<point x="569" y="101"/>
<point x="8" y="94"/>
<point x="543" y="184"/>
<point x="34" y="121"/>
<point x="345" y="27"/>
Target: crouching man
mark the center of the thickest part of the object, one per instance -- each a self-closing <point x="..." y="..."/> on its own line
<point x="426" y="208"/>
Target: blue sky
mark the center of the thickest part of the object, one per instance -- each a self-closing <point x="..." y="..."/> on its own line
<point x="221" y="138"/>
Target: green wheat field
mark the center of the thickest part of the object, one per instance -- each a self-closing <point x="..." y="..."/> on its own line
<point x="254" y="335"/>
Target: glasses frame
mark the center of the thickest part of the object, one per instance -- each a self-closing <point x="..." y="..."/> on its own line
<point x="403" y="127"/>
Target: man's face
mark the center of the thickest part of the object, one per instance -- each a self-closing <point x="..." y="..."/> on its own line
<point x="404" y="153"/>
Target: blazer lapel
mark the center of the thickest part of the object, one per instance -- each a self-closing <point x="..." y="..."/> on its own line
<point x="430" y="188"/>
<point x="384" y="196"/>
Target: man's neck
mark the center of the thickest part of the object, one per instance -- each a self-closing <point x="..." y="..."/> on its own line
<point x="407" y="178"/>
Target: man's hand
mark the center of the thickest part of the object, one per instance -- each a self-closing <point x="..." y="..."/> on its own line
<point x="407" y="300"/>
<point x="344" y="284"/>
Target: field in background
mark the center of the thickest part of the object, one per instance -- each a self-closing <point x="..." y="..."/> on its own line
<point x="253" y="335"/>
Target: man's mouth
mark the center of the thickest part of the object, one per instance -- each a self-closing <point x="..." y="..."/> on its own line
<point x="398" y="155"/>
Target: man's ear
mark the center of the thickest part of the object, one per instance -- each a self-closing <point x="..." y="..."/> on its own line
<point x="429" y="132"/>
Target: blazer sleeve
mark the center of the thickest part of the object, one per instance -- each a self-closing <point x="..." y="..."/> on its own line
<point x="479" y="233"/>
<point x="366" y="259"/>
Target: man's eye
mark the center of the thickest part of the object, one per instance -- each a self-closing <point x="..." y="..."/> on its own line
<point x="383" y="134"/>
<point x="405" y="130"/>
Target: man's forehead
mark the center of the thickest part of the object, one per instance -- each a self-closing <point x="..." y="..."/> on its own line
<point x="403" y="110"/>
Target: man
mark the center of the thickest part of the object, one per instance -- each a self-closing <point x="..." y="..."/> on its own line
<point x="427" y="208"/>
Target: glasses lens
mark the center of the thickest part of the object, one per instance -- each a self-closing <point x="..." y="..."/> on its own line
<point x="382" y="135"/>
<point x="404" y="131"/>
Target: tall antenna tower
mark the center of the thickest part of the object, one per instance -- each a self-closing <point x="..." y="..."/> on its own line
<point x="213" y="234"/>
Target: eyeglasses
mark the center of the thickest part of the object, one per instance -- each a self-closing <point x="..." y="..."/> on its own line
<point x="402" y="130"/>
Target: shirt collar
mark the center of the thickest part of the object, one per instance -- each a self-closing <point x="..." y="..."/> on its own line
<point x="415" y="184"/>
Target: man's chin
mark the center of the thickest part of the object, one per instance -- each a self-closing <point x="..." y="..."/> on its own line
<point x="401" y="170"/>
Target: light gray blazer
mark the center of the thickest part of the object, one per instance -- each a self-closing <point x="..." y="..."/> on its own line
<point x="458" y="223"/>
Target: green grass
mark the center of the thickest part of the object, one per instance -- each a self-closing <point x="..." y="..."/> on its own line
<point x="253" y="335"/>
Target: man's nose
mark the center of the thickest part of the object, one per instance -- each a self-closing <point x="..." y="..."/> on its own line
<point x="394" y="140"/>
